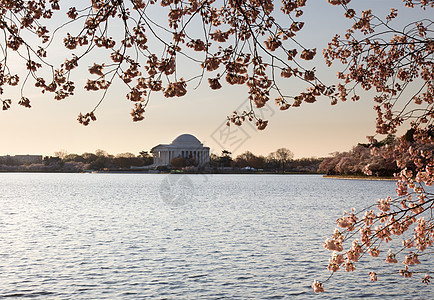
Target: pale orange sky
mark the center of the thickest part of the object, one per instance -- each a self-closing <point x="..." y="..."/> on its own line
<point x="310" y="130"/>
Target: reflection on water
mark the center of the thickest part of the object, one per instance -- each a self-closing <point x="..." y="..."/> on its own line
<point x="130" y="236"/>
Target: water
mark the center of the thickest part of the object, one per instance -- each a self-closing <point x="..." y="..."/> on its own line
<point x="135" y="236"/>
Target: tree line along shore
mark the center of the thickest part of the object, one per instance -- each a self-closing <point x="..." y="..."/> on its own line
<point x="356" y="163"/>
<point x="280" y="161"/>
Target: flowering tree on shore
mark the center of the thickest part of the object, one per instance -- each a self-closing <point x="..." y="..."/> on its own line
<point x="359" y="158"/>
<point x="251" y="43"/>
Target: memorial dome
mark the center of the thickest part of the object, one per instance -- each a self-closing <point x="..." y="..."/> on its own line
<point x="186" y="139"/>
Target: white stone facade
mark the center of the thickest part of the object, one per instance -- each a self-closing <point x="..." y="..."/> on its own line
<point x="185" y="146"/>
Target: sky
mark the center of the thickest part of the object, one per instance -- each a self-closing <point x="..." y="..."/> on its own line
<point x="312" y="130"/>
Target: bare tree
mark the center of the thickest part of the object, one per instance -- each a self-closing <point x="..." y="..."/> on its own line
<point x="281" y="157"/>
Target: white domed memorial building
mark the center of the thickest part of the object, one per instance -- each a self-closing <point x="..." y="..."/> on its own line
<point x="185" y="146"/>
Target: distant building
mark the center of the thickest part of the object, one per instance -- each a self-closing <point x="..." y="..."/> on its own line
<point x="22" y="159"/>
<point x="185" y="146"/>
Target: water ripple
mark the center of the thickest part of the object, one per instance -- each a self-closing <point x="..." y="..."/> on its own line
<point x="109" y="236"/>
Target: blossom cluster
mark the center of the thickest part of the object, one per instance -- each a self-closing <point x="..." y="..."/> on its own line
<point x="133" y="58"/>
<point x="411" y="209"/>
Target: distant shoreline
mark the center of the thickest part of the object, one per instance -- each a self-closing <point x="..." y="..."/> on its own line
<point x="360" y="177"/>
<point x="146" y="172"/>
<point x="128" y="171"/>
